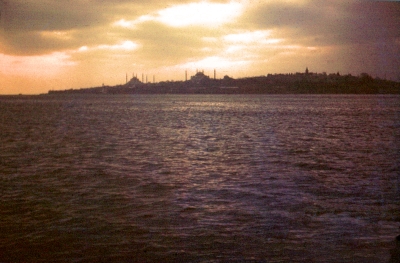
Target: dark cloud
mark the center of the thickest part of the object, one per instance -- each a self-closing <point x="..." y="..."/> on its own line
<point x="24" y="21"/>
<point x="374" y="21"/>
<point x="330" y="22"/>
<point x="314" y="23"/>
<point x="23" y="24"/>
<point x="360" y="35"/>
<point x="49" y="15"/>
<point x="70" y="14"/>
<point x="29" y="43"/>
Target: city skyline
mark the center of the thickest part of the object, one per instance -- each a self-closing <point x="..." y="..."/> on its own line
<point x="50" y="45"/>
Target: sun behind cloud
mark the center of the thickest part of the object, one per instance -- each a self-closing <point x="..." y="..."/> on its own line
<point x="202" y="13"/>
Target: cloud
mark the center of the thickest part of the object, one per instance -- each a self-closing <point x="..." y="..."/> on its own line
<point x="125" y="45"/>
<point x="42" y="27"/>
<point x="346" y="35"/>
<point x="30" y="15"/>
<point x="34" y="27"/>
<point x="259" y="37"/>
<point x="328" y="22"/>
<point x="191" y="14"/>
<point x="201" y="13"/>
<point x="161" y="44"/>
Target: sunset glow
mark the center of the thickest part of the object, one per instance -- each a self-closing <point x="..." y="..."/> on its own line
<point x="78" y="43"/>
<point x="35" y="66"/>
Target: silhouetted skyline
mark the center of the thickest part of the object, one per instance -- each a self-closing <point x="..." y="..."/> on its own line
<point x="306" y="82"/>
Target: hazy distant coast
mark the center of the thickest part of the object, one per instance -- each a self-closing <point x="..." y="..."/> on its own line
<point x="292" y="83"/>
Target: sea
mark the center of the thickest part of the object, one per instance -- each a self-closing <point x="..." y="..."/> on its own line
<point x="199" y="178"/>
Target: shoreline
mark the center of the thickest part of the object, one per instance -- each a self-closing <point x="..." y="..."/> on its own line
<point x="297" y="83"/>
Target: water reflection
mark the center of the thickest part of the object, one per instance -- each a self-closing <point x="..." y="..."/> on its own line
<point x="200" y="178"/>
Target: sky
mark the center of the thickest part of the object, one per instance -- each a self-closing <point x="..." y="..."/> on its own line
<point x="55" y="45"/>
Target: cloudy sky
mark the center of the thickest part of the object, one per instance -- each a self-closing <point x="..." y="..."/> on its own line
<point x="51" y="44"/>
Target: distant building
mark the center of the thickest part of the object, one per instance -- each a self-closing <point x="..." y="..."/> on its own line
<point x="133" y="82"/>
<point x="199" y="78"/>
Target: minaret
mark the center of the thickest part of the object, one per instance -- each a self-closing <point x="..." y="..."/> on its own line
<point x="126" y="78"/>
<point x="215" y="74"/>
<point x="185" y="75"/>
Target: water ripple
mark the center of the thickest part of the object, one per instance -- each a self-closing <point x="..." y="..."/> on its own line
<point x="199" y="178"/>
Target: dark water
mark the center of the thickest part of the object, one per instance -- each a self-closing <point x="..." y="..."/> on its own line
<point x="199" y="178"/>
